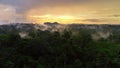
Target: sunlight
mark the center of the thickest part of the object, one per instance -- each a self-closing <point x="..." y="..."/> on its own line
<point x="64" y="19"/>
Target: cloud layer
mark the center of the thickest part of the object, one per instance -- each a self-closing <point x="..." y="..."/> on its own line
<point x="92" y="10"/>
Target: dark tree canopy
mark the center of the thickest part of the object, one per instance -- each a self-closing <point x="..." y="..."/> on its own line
<point x="45" y="49"/>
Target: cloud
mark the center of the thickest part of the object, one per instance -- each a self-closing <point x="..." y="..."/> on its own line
<point x="25" y="5"/>
<point x="68" y="7"/>
<point x="116" y="15"/>
<point x="93" y="20"/>
<point x="7" y="13"/>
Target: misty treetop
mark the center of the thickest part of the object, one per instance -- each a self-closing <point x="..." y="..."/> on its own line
<point x="69" y="48"/>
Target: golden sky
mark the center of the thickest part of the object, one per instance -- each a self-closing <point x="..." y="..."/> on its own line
<point x="62" y="11"/>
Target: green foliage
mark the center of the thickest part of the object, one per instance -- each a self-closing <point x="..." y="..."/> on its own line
<point x="47" y="49"/>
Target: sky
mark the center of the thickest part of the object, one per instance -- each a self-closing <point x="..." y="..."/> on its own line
<point x="62" y="11"/>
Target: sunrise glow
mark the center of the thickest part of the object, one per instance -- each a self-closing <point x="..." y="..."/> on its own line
<point x="62" y="11"/>
<point x="65" y="19"/>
